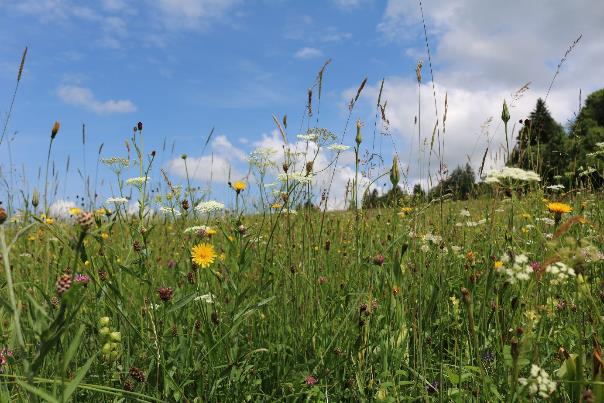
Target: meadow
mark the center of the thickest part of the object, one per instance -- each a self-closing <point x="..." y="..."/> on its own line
<point x="495" y="299"/>
<point x="270" y="295"/>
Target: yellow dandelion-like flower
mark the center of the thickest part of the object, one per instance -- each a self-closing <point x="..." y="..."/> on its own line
<point x="498" y="264"/>
<point x="559" y="208"/>
<point x="203" y="254"/>
<point x="239" y="186"/>
<point x="100" y="211"/>
<point x="405" y="211"/>
<point x="105" y="235"/>
<point x="210" y="231"/>
<point x="276" y="206"/>
<point x="49" y="221"/>
<point x="75" y="211"/>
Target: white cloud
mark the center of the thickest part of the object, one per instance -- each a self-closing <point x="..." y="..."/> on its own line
<point x="482" y="52"/>
<point x="60" y="208"/>
<point x="83" y="97"/>
<point x="222" y="166"/>
<point x="308" y="53"/>
<point x="195" y="14"/>
<point x="206" y="169"/>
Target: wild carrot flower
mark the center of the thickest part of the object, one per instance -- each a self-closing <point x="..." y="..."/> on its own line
<point x="203" y="254"/>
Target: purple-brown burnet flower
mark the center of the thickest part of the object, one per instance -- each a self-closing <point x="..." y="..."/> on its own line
<point x="310" y="380"/>
<point x="82" y="279"/>
<point x="165" y="293"/>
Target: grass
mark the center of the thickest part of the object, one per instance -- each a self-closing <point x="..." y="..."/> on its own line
<point x="414" y="309"/>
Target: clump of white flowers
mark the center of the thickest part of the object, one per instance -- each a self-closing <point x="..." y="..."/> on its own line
<point x="209" y="207"/>
<point x="560" y="271"/>
<point x="338" y="147"/>
<point x="539" y="383"/>
<point x="116" y="200"/>
<point x="511" y="173"/>
<point x="262" y="158"/>
<point x="138" y="181"/>
<point x="518" y="269"/>
<point x="170" y="210"/>
<point x="295" y="177"/>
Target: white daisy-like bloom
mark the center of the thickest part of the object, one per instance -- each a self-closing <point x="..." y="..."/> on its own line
<point x="290" y="211"/>
<point x="560" y="271"/>
<point x="338" y="147"/>
<point x="539" y="383"/>
<point x="456" y="248"/>
<point x="138" y="181"/>
<point x="600" y="145"/>
<point x="116" y="200"/>
<point x="464" y="212"/>
<point x="207" y="298"/>
<point x="169" y="210"/>
<point x="295" y="177"/>
<point x="424" y="247"/>
<point x="209" y="207"/>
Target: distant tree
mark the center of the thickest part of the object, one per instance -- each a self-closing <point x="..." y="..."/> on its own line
<point x="541" y="144"/>
<point x="585" y="132"/>
<point x="418" y="192"/>
<point x="460" y="183"/>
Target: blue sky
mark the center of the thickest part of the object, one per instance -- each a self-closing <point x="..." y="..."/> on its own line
<point x="185" y="66"/>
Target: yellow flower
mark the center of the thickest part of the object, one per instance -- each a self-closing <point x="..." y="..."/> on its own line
<point x="87" y="263"/>
<point x="405" y="211"/>
<point x="49" y="221"/>
<point x="203" y="254"/>
<point x="101" y="211"/>
<point x="276" y="206"/>
<point x="498" y="264"/>
<point x="210" y="231"/>
<point x="105" y="235"/>
<point x="239" y="186"/>
<point x="525" y="215"/>
<point x="559" y="208"/>
<point x="75" y="211"/>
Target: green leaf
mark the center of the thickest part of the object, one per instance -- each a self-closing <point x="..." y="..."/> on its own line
<point x="182" y="302"/>
<point x="41" y="393"/>
<point x="73" y="347"/>
<point x="71" y="386"/>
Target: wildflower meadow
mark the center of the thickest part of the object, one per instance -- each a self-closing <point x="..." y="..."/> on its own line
<point x="481" y="283"/>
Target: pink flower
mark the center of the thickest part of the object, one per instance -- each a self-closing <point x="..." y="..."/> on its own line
<point x="310" y="380"/>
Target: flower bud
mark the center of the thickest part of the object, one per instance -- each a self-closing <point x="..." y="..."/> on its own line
<point x="55" y="130"/>
<point x="116" y="336"/>
<point x="359" y="138"/>
<point x="104" y="321"/>
<point x="35" y="198"/>
<point x="3" y="215"/>
<point x="104" y="331"/>
<point x="394" y="174"/>
<point x="505" y="113"/>
<point x="107" y="348"/>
